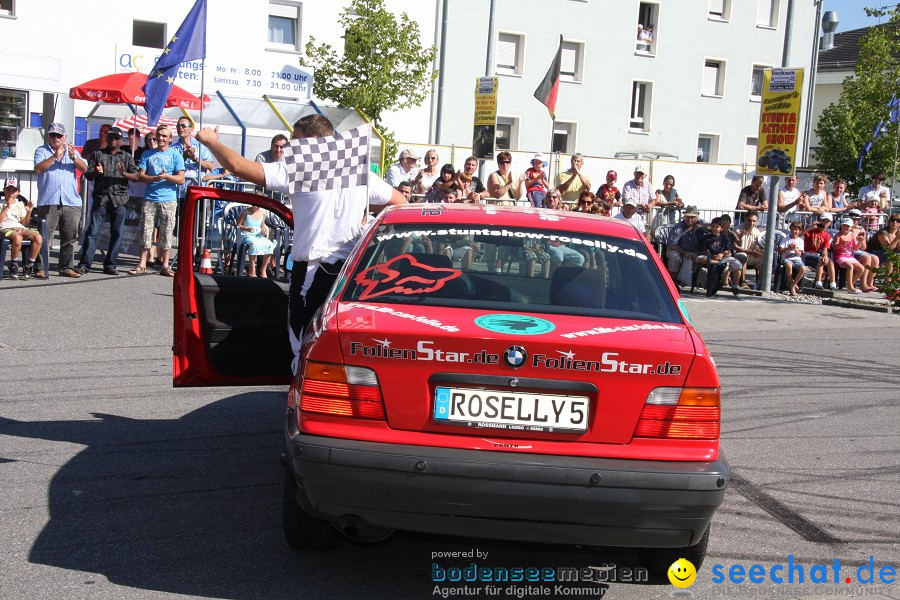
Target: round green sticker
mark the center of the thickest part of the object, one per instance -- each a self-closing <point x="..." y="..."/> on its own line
<point x="515" y="324"/>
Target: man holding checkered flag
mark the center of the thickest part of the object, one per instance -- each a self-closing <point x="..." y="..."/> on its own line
<point x="327" y="177"/>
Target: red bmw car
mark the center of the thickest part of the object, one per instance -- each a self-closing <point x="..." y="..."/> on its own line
<point x="494" y="372"/>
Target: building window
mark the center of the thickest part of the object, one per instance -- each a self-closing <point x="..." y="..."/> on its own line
<point x="284" y="26"/>
<point x="571" y="61"/>
<point x="720" y="10"/>
<point x="713" y="78"/>
<point x="507" y="137"/>
<point x="750" y="152"/>
<point x="7" y="8"/>
<point x="756" y="82"/>
<point x="647" y="28"/>
<point x="767" y="13"/>
<point x="148" y="34"/>
<point x="563" y="137"/>
<point x="641" y="98"/>
<point x="707" y="148"/>
<point x="510" y="47"/>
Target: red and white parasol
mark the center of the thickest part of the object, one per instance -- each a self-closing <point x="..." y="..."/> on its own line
<point x="140" y="121"/>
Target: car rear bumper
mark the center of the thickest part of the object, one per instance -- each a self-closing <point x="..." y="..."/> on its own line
<point x="506" y="495"/>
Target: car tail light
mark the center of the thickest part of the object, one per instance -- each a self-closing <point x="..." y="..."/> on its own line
<point x="681" y="413"/>
<point x="341" y="390"/>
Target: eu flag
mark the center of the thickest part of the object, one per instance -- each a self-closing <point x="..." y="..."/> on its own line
<point x="189" y="43"/>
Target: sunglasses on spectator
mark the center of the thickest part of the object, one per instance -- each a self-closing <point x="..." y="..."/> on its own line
<point x="431" y="158"/>
<point x="55" y="136"/>
<point x="183" y="125"/>
<point x="504" y="162"/>
<point x="113" y="138"/>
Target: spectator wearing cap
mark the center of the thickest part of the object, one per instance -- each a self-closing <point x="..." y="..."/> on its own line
<point x="875" y="192"/>
<point x="571" y="182"/>
<point x="869" y="261"/>
<point x="275" y="153"/>
<point x="816" y="241"/>
<point x="15" y="212"/>
<point x="536" y="181"/>
<point x="641" y="192"/>
<point x="842" y="248"/>
<point x="58" y="200"/>
<point x="681" y="243"/>
<point x="608" y="194"/>
<point x="629" y="214"/>
<point x="110" y="169"/>
<point x="668" y="199"/>
<point x="404" y="169"/>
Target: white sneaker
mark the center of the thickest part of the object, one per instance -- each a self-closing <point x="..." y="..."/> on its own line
<point x="819" y="285"/>
<point x="833" y="286"/>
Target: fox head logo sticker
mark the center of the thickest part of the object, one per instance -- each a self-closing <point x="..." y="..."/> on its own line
<point x="403" y="275"/>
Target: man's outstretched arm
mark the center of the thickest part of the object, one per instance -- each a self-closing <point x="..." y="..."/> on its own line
<point x="248" y="170"/>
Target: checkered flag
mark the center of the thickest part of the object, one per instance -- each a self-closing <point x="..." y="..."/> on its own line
<point x="337" y="162"/>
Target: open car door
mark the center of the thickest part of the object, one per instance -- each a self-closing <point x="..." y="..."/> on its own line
<point x="230" y="327"/>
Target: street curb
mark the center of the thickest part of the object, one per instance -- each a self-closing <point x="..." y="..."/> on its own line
<point x="882" y="308"/>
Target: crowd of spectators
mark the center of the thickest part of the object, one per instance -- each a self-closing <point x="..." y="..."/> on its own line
<point x="168" y="161"/>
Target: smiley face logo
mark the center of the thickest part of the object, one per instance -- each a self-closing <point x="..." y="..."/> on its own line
<point x="682" y="573"/>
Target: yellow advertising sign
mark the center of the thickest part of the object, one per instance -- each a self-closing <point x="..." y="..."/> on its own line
<point x="779" y="122"/>
<point x="485" y="117"/>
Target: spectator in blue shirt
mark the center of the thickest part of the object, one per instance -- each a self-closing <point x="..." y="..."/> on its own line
<point x="162" y="170"/>
<point x="58" y="200"/>
<point x="197" y="159"/>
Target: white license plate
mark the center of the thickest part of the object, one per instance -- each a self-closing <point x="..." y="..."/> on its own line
<point x="515" y="410"/>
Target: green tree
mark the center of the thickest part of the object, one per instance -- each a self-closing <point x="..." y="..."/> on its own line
<point x="845" y="127"/>
<point x="384" y="66"/>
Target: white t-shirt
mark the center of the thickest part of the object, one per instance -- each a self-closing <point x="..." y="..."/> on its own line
<point x="328" y="223"/>
<point x="636" y="220"/>
<point x="428" y="180"/>
<point x="14" y="216"/>
<point x="396" y="175"/>
<point x="789" y="196"/>
<point x="817" y="199"/>
<point x="795" y="244"/>
<point x="870" y="193"/>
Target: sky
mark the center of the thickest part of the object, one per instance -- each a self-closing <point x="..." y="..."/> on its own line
<point x="851" y="13"/>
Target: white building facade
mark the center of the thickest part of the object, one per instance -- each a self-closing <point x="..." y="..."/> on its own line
<point x="689" y="89"/>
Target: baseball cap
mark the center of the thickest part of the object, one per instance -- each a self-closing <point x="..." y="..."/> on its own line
<point x="826" y="217"/>
<point x="691" y="211"/>
<point x="114" y="131"/>
<point x="639" y="169"/>
<point x="630" y="202"/>
<point x="409" y="154"/>
<point x="57" y="128"/>
<point x="847" y="222"/>
<point x="854" y="212"/>
<point x="613" y="173"/>
<point x="538" y="156"/>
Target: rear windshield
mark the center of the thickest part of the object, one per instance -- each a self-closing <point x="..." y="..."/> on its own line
<point x="517" y="269"/>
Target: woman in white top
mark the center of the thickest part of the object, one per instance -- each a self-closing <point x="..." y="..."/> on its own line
<point x="429" y="172"/>
<point x="817" y="200"/>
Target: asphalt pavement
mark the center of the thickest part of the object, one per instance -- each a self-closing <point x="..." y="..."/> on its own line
<point x="116" y="485"/>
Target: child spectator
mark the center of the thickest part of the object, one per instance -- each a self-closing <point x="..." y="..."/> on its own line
<point x="842" y="247"/>
<point x="608" y="193"/>
<point x="720" y="258"/>
<point x="14" y="215"/>
<point x="791" y="252"/>
<point x="252" y="225"/>
<point x="816" y="241"/>
<point x="536" y="181"/>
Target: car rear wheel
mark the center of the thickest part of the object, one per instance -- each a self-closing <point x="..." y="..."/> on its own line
<point x="302" y="531"/>
<point x="658" y="560"/>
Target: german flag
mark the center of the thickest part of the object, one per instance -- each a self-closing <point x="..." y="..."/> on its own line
<point x="548" y="89"/>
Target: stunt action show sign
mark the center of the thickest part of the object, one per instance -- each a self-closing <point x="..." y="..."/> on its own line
<point x="779" y="118"/>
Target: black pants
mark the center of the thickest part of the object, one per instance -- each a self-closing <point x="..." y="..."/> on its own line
<point x="310" y="285"/>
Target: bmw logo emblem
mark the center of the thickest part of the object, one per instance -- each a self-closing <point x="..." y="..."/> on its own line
<point x="515" y="356"/>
